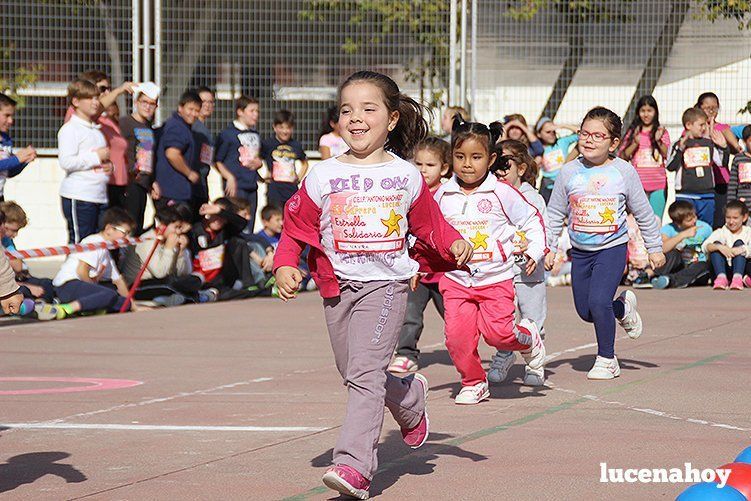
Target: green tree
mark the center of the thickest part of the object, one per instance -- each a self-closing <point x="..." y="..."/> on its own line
<point x="14" y="78"/>
<point x="377" y="22"/>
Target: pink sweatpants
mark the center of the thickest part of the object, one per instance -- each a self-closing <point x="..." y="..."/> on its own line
<point x="473" y="310"/>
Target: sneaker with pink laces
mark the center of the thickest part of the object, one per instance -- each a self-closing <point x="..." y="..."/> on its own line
<point x="747" y="281"/>
<point x="415" y="437"/>
<point x="720" y="283"/>
<point x="737" y="283"/>
<point x="348" y="481"/>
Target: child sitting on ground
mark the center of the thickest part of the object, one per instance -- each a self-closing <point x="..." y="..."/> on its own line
<point x="220" y="255"/>
<point x="167" y="279"/>
<point x="729" y="249"/>
<point x="12" y="220"/>
<point x="685" y="262"/>
<point x="78" y="284"/>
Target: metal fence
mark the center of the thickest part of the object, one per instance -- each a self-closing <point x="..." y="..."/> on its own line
<point x="292" y="53"/>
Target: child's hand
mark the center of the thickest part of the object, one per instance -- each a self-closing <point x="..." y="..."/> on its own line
<point x="209" y="210"/>
<point x="726" y="251"/>
<point x="108" y="168"/>
<point x="103" y="153"/>
<point x="549" y="260"/>
<point x="230" y="187"/>
<point x="156" y="191"/>
<point x="739" y="251"/>
<point x="255" y="164"/>
<point x="656" y="260"/>
<point x="12" y="304"/>
<point x="531" y="265"/>
<point x="659" y="133"/>
<point x="26" y="155"/>
<point x="718" y="138"/>
<point x="267" y="263"/>
<point x="682" y="142"/>
<point x="462" y="251"/>
<point x="414" y="282"/>
<point x="193" y="177"/>
<point x="288" y="280"/>
<point x="690" y="232"/>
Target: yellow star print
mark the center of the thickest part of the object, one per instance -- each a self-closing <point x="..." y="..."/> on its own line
<point x="392" y="223"/>
<point x="479" y="241"/>
<point x="607" y="216"/>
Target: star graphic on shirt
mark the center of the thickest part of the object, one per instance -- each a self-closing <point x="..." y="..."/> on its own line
<point x="607" y="216"/>
<point x="392" y="223"/>
<point x="479" y="241"/>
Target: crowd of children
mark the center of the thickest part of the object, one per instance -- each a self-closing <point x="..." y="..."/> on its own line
<point x="477" y="222"/>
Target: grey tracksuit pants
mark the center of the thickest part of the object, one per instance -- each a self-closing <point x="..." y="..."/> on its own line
<point x="364" y="324"/>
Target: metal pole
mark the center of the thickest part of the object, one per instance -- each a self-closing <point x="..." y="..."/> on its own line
<point x="463" y="67"/>
<point x="473" y="69"/>
<point x="158" y="52"/>
<point x="136" y="40"/>
<point x="147" y="40"/>
<point x="452" y="55"/>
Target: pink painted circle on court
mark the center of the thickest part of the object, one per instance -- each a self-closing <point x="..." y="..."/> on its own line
<point x="87" y="384"/>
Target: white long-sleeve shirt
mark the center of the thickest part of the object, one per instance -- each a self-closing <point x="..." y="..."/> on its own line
<point x="489" y="218"/>
<point x="726" y="237"/>
<point x="85" y="179"/>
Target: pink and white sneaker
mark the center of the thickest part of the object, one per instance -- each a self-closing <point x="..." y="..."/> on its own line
<point x="402" y="365"/>
<point x="720" y="283"/>
<point x="415" y="437"/>
<point x="348" y="481"/>
<point x="747" y="281"/>
<point x="534" y="357"/>
<point x="737" y="283"/>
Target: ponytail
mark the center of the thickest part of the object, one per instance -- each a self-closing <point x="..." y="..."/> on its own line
<point x="411" y="128"/>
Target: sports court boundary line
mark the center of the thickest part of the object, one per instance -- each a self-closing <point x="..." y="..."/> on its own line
<point x="438" y="448"/>
<point x="151" y="427"/>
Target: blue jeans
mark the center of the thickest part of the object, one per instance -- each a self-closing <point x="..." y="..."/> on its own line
<point x="83" y="218"/>
<point x="739" y="265"/>
<point x="703" y="204"/>
<point x="595" y="276"/>
<point x="91" y="296"/>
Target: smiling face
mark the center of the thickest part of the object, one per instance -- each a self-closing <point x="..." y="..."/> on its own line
<point x="734" y="219"/>
<point x="430" y="164"/>
<point x="364" y="119"/>
<point x="647" y="114"/>
<point x="146" y="107"/>
<point x="697" y="128"/>
<point x="711" y="107"/>
<point x="248" y="116"/>
<point x="87" y="106"/>
<point x="207" y="104"/>
<point x="471" y="162"/>
<point x="595" y="142"/>
<point x="189" y="112"/>
<point x="283" y="131"/>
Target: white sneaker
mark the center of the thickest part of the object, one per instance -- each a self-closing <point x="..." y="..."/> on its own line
<point x="604" y="368"/>
<point x="470" y="395"/>
<point x="535" y="356"/>
<point x="631" y="321"/>
<point x="534" y="377"/>
<point x="501" y="364"/>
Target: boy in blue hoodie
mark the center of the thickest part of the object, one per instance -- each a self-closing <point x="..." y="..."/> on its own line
<point x="11" y="162"/>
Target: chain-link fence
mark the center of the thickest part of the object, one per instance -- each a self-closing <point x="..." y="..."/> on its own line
<point x="292" y="53"/>
<point x="575" y="55"/>
<point x="44" y="45"/>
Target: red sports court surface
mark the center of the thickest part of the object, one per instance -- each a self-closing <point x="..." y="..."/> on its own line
<point x="242" y="401"/>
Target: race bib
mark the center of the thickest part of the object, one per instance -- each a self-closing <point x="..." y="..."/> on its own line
<point x="250" y="147"/>
<point x="144" y="151"/>
<point x="696" y="157"/>
<point x="744" y="172"/>
<point x="595" y="214"/>
<point x="644" y="158"/>
<point x="553" y="160"/>
<point x="207" y="154"/>
<point x="283" y="170"/>
<point x="477" y="233"/>
<point x="363" y="223"/>
<point x="211" y="259"/>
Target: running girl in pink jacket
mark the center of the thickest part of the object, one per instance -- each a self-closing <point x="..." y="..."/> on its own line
<point x="354" y="211"/>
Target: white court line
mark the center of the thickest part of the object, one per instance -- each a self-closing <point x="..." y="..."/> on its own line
<point x="149" y="427"/>
<point x="653" y="412"/>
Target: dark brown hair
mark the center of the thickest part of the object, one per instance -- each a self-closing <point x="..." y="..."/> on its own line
<point x="680" y="210"/>
<point x="284" y="117"/>
<point x="520" y="155"/>
<point x="94" y="76"/>
<point x="610" y="120"/>
<point x="411" y="127"/>
<point x="244" y="101"/>
<point x="737" y="205"/>
<point x="439" y="147"/>
<point x="487" y="134"/>
<point x="117" y="216"/>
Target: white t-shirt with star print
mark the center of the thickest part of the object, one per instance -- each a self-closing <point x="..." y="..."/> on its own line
<point x="364" y="216"/>
<point x="489" y="218"/>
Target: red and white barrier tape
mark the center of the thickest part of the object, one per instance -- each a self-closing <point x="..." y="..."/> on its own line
<point x="71" y="249"/>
